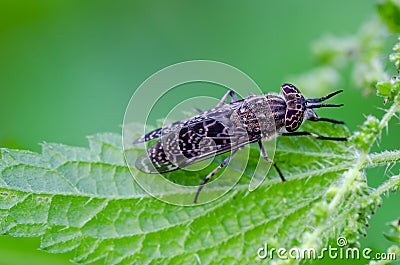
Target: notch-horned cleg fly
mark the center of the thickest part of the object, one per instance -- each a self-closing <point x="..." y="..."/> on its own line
<point x="229" y="127"/>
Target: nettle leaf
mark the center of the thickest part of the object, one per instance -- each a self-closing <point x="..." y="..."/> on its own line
<point x="86" y="201"/>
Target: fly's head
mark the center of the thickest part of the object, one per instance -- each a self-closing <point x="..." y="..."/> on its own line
<point x="295" y="107"/>
<point x="299" y="109"/>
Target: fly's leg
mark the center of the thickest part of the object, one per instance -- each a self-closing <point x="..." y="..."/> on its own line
<point x="326" y="119"/>
<point x="265" y="156"/>
<point x="316" y="136"/>
<point x="223" y="100"/>
<point x="212" y="173"/>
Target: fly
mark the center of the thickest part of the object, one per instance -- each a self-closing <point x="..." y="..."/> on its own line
<point x="231" y="126"/>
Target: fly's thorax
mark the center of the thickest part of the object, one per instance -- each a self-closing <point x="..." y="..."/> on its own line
<point x="277" y="106"/>
<point x="260" y="116"/>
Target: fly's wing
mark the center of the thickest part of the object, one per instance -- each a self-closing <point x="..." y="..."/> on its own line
<point x="193" y="143"/>
<point x="223" y="111"/>
<point x="173" y="127"/>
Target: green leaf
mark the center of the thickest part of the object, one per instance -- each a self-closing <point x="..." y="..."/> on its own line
<point x="85" y="201"/>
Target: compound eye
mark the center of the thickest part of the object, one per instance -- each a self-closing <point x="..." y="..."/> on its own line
<point x="295" y="107"/>
<point x="293" y="119"/>
<point x="289" y="89"/>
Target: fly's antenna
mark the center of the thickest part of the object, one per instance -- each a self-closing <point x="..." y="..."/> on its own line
<point x="316" y="100"/>
<point x="316" y="106"/>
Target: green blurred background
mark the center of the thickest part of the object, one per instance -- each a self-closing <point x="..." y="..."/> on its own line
<point x="69" y="68"/>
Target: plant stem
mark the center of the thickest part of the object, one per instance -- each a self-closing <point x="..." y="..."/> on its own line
<point x="385" y="157"/>
<point x="392" y="182"/>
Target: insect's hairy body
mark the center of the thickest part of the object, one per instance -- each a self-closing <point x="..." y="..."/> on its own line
<point x="261" y="104"/>
<point x="213" y="132"/>
<point x="261" y="116"/>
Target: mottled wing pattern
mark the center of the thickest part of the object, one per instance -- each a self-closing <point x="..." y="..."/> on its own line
<point x="295" y="107"/>
<point x="168" y="129"/>
<point x="192" y="143"/>
<point x="173" y="127"/>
